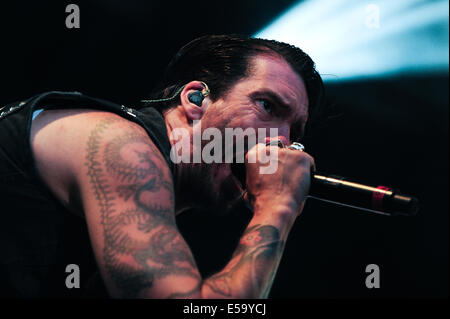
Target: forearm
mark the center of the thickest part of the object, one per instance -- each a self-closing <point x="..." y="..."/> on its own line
<point x="253" y="266"/>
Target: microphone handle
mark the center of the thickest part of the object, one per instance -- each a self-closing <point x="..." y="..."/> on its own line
<point x="377" y="199"/>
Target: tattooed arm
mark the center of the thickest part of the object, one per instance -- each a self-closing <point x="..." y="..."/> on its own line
<point x="253" y="266"/>
<point x="278" y="199"/>
<point x="129" y="206"/>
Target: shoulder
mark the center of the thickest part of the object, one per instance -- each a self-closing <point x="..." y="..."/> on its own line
<point x="66" y="143"/>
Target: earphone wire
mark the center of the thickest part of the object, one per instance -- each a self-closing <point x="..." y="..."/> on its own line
<point x="205" y="93"/>
<point x="165" y="99"/>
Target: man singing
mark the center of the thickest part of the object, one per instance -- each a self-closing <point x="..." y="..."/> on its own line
<point x="67" y="153"/>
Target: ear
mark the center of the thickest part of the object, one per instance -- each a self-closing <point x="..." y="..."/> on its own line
<point x="193" y="111"/>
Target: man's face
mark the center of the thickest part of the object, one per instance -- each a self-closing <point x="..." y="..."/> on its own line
<point x="273" y="96"/>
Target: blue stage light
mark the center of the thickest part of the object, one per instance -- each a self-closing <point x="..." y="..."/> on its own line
<point x="351" y="38"/>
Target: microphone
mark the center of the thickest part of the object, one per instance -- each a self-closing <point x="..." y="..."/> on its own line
<point x="376" y="199"/>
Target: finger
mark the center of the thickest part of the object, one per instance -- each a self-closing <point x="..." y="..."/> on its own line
<point x="259" y="150"/>
<point x="312" y="163"/>
<point x="306" y="160"/>
<point x="313" y="166"/>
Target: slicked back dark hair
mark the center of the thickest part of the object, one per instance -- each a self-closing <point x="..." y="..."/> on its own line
<point x="222" y="60"/>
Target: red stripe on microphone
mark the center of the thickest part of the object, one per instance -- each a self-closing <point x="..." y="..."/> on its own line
<point x="377" y="198"/>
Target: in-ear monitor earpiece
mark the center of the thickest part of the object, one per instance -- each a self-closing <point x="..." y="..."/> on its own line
<point x="194" y="97"/>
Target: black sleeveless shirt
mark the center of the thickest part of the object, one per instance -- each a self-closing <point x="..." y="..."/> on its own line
<point x="39" y="238"/>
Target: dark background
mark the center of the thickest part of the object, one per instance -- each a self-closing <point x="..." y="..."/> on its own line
<point x="391" y="131"/>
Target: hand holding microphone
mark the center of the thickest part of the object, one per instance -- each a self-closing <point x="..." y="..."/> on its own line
<point x="283" y="189"/>
<point x="333" y="189"/>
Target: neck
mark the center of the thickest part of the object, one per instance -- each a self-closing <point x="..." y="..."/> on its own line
<point x="184" y="176"/>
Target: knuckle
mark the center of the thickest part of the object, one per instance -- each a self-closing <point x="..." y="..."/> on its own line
<point x="305" y="159"/>
<point x="302" y="156"/>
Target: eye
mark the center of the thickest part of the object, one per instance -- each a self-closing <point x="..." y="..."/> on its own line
<point x="268" y="106"/>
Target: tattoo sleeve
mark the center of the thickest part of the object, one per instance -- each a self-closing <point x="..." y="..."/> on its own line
<point x="141" y="248"/>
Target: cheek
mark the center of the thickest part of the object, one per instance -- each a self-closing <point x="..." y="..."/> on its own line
<point x="219" y="116"/>
<point x="243" y="115"/>
<point x="246" y="117"/>
<point x="230" y="118"/>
